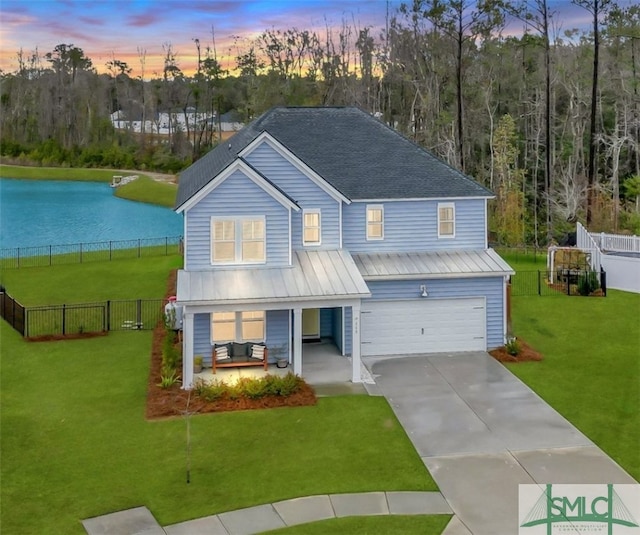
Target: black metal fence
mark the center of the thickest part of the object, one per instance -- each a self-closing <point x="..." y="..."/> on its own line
<point x="52" y="320"/>
<point x="561" y="282"/>
<point x="77" y="253"/>
<point x="12" y="311"/>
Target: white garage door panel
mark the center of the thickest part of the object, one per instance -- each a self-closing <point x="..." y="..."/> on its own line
<point x="424" y="326"/>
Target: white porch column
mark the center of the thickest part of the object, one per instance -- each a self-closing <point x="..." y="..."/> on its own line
<point x="355" y="343"/>
<point x="297" y="341"/>
<point x="187" y="350"/>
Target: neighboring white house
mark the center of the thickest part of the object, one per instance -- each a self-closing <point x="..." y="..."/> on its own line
<point x="166" y="123"/>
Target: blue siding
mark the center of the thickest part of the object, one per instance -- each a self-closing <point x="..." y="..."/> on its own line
<point x="413" y="226"/>
<point x="202" y="337"/>
<point x="278" y="334"/>
<point x="326" y="322"/>
<point x="236" y="196"/>
<point x="491" y="288"/>
<point x="305" y="192"/>
<point x="337" y="328"/>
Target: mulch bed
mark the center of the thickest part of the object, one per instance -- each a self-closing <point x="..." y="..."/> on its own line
<point x="527" y="354"/>
<point x="167" y="402"/>
<point x="56" y="337"/>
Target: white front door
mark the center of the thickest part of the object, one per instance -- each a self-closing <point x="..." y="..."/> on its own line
<point x="423" y="326"/>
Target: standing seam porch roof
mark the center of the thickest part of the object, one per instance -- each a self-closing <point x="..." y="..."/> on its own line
<point x="315" y="275"/>
<point x="357" y="154"/>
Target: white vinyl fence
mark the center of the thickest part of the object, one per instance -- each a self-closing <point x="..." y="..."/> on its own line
<point x="617" y="242"/>
<point x="623" y="272"/>
<point x="585" y="241"/>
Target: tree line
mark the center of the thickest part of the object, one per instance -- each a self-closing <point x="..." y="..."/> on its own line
<point x="547" y="119"/>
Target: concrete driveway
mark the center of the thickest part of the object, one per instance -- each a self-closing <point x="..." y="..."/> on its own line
<point x="481" y="432"/>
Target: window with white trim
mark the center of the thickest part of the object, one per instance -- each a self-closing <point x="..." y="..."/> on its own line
<point x="446" y="220"/>
<point x="238" y="240"/>
<point x="248" y="326"/>
<point x="311" y="231"/>
<point x="375" y="222"/>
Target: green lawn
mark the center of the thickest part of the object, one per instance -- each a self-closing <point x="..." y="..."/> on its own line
<point x="96" y="281"/>
<point x="591" y="367"/>
<point x="57" y="173"/>
<point x="75" y="443"/>
<point x="145" y="189"/>
<point x="148" y="190"/>
<point x="524" y="260"/>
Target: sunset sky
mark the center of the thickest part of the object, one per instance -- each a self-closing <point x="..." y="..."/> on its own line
<point x="118" y="28"/>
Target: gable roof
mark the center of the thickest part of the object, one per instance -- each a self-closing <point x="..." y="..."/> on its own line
<point x="250" y="172"/>
<point x="357" y="154"/>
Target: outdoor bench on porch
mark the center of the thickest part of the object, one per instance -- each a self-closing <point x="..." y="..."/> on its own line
<point x="234" y="355"/>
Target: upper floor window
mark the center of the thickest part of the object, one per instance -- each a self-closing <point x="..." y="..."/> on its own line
<point x="238" y="240"/>
<point x="446" y="220"/>
<point x="311" y="227"/>
<point x="375" y="222"/>
<point x="237" y="326"/>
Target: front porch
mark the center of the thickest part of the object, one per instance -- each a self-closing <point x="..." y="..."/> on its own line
<point x="322" y="363"/>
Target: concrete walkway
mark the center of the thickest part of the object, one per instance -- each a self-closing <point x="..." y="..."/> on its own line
<point x="481" y="432"/>
<point x="140" y="521"/>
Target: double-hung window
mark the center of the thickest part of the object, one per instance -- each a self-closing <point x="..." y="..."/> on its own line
<point x="238" y="326"/>
<point x="311" y="232"/>
<point x="446" y="220"/>
<point x="238" y="240"/>
<point x="375" y="222"/>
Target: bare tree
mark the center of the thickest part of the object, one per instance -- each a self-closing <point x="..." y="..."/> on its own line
<point x="597" y="8"/>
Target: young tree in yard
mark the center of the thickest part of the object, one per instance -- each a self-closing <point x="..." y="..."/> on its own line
<point x="597" y="8"/>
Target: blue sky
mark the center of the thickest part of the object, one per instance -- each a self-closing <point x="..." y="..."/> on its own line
<point x="118" y="28"/>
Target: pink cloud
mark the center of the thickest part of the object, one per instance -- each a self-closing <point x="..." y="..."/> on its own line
<point x="93" y="21"/>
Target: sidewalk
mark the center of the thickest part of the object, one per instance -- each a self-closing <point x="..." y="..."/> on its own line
<point x="140" y="521"/>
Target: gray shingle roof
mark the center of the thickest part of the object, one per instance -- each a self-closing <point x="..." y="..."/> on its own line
<point x="354" y="152"/>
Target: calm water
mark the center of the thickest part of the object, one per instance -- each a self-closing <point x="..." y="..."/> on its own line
<point x="37" y="212"/>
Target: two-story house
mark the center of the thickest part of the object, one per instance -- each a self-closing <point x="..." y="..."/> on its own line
<point x="326" y="223"/>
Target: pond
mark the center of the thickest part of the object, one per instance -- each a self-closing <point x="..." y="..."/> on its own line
<point x="54" y="212"/>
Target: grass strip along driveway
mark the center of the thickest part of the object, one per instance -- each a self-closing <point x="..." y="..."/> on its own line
<point x="591" y="368"/>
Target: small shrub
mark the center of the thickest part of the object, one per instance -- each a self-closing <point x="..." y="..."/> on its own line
<point x="588" y="283"/>
<point x="210" y="391"/>
<point x="253" y="388"/>
<point x="249" y="387"/>
<point x="170" y="354"/>
<point x="290" y="384"/>
<point x="167" y="370"/>
<point x="272" y="384"/>
<point x="513" y="346"/>
<point x="167" y="381"/>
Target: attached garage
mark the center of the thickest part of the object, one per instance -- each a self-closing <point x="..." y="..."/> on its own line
<point x="423" y="326"/>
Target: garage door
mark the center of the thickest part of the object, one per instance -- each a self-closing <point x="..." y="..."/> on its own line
<point x="424" y="326"/>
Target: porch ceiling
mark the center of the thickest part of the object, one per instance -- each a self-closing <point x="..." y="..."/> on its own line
<point x="314" y="276"/>
<point x="436" y="264"/>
